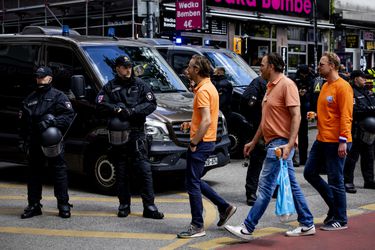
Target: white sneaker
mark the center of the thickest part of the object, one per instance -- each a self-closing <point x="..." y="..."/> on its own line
<point x="301" y="231"/>
<point x="240" y="231"/>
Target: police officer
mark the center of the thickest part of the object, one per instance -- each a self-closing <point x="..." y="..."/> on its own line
<point x="46" y="113"/>
<point x="364" y="107"/>
<point x="251" y="108"/>
<point x="224" y="88"/>
<point x="304" y="80"/>
<point x="129" y="99"/>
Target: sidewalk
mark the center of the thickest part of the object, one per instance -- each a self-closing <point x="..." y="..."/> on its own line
<point x="359" y="236"/>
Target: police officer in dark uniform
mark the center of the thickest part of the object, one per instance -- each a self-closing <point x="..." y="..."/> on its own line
<point x="129" y="99"/>
<point x="46" y="113"/>
<point x="363" y="111"/>
<point x="224" y="88"/>
<point x="251" y="108"/>
<point x="304" y="80"/>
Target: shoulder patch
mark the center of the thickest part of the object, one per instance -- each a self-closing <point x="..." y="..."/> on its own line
<point x="149" y="96"/>
<point x="100" y="98"/>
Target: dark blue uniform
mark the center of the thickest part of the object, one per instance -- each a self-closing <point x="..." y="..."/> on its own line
<point x="364" y="106"/>
<point x="45" y="100"/>
<point x="134" y="96"/>
<point x="225" y="90"/>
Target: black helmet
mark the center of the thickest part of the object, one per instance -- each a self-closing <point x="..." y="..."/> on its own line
<point x="118" y="131"/>
<point x="368" y="124"/>
<point x="51" y="140"/>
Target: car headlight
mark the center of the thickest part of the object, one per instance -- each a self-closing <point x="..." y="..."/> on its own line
<point x="225" y="128"/>
<point x="157" y="130"/>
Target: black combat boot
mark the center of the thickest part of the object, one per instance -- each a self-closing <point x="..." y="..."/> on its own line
<point x="32" y="210"/>
<point x="64" y="210"/>
<point x="123" y="210"/>
<point x="152" y="212"/>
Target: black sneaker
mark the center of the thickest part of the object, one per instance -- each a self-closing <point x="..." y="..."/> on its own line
<point x="224" y="217"/>
<point x="152" y="213"/>
<point x="64" y="210"/>
<point x="192" y="232"/>
<point x="32" y="210"/>
<point x="334" y="226"/>
<point x="123" y="210"/>
<point x="350" y="188"/>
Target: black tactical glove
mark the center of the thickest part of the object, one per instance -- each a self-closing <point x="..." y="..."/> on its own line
<point x="126" y="113"/>
<point x="43" y="125"/>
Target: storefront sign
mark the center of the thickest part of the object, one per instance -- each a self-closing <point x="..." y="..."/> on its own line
<point x="302" y="8"/>
<point x="368" y="36"/>
<point x="284" y="55"/>
<point x="189" y="14"/>
<point x="352" y="41"/>
<point x="370" y="45"/>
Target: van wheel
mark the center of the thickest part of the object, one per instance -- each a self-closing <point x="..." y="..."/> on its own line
<point x="103" y="173"/>
<point x="237" y="143"/>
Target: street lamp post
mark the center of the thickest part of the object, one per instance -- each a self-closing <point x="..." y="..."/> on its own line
<point x="315" y="37"/>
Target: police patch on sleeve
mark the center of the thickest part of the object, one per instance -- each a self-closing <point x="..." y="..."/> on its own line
<point x="149" y="96"/>
<point x="100" y="98"/>
<point x="68" y="105"/>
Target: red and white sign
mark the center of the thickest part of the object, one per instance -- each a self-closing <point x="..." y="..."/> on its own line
<point x="189" y="14"/>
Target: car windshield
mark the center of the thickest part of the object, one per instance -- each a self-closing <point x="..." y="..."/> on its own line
<point x="148" y="65"/>
<point x="236" y="69"/>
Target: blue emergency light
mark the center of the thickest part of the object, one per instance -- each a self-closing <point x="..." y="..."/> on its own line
<point x="111" y="32"/>
<point x="178" y="40"/>
<point x="65" y="30"/>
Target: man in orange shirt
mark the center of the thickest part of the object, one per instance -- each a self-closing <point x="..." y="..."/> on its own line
<point x="279" y="125"/>
<point x="203" y="129"/>
<point x="335" y="115"/>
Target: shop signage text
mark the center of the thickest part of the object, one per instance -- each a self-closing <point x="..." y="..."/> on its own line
<point x="303" y="8"/>
<point x="188" y="14"/>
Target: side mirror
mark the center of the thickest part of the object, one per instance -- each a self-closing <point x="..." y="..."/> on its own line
<point x="78" y="86"/>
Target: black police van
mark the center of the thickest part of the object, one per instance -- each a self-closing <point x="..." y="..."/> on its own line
<point x="81" y="65"/>
<point x="237" y="71"/>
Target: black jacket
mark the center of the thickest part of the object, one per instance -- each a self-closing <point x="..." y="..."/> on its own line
<point x="225" y="90"/>
<point x="134" y="94"/>
<point x="364" y="104"/>
<point x="251" y="101"/>
<point x="39" y="103"/>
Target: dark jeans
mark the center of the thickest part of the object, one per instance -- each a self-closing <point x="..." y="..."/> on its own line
<point x="196" y="187"/>
<point x="367" y="161"/>
<point x="36" y="170"/>
<point x="133" y="154"/>
<point x="257" y="157"/>
<point x="324" y="154"/>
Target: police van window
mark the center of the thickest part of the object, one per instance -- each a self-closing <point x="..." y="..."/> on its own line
<point x="64" y="63"/>
<point x="180" y="62"/>
<point x="163" y="52"/>
<point x="17" y="63"/>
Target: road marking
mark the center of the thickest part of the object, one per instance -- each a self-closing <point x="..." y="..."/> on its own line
<point x="369" y="207"/>
<point x="215" y="243"/>
<point x="16" y="211"/>
<point x="94" y="199"/>
<point x="10" y="185"/>
<point x="178" y="243"/>
<point x="85" y="234"/>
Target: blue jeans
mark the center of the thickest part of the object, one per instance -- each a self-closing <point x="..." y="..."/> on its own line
<point x="267" y="185"/>
<point x="325" y="155"/>
<point x="196" y="187"/>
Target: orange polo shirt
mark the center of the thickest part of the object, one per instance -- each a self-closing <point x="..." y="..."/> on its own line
<point x="276" y="119"/>
<point x="335" y="111"/>
<point x="205" y="96"/>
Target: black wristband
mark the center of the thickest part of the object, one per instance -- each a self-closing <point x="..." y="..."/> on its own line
<point x="192" y="145"/>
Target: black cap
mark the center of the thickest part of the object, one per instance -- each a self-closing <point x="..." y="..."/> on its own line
<point x="357" y="73"/>
<point x="43" y="71"/>
<point x="303" y="68"/>
<point x="123" y="61"/>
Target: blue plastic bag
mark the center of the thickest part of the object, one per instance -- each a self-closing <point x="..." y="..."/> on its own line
<point x="284" y="202"/>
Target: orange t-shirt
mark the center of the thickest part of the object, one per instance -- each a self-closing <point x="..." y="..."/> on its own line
<point x="276" y="119"/>
<point x="335" y="111"/>
<point x="205" y="96"/>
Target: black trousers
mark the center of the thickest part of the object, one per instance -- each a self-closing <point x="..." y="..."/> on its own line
<point x="303" y="140"/>
<point x="367" y="161"/>
<point x="133" y="155"/>
<point x="257" y="157"/>
<point x="36" y="170"/>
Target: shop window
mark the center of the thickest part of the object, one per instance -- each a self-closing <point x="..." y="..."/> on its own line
<point x="294" y="60"/>
<point x="257" y="30"/>
<point x="297" y="48"/>
<point x="297" y="34"/>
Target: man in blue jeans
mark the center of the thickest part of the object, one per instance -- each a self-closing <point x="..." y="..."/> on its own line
<point x="334" y="139"/>
<point x="279" y="126"/>
<point x="203" y="129"/>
